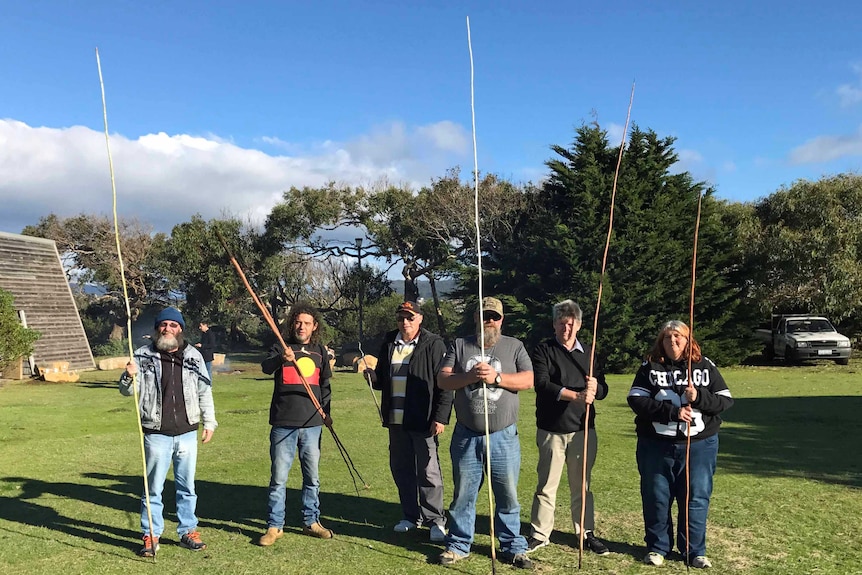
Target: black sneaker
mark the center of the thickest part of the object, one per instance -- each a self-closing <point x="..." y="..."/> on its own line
<point x="533" y="544"/>
<point x="521" y="561"/>
<point x="593" y="544"/>
<point x="192" y="540"/>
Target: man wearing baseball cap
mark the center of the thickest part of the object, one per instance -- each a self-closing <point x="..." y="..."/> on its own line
<point x="415" y="411"/>
<point x="502" y="371"/>
<point x="175" y="397"/>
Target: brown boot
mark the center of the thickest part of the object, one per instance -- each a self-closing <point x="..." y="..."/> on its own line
<point x="317" y="530"/>
<point x="268" y="538"/>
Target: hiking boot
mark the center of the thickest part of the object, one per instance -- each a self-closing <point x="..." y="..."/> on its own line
<point x="148" y="549"/>
<point x="317" y="530"/>
<point x="192" y="541"/>
<point x="653" y="558"/>
<point x="404" y="526"/>
<point x="533" y="544"/>
<point x="449" y="557"/>
<point x="700" y="562"/>
<point x="438" y="534"/>
<point x="592" y="543"/>
<point x="268" y="538"/>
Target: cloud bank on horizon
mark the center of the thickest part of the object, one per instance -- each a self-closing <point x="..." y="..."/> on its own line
<point x="164" y="179"/>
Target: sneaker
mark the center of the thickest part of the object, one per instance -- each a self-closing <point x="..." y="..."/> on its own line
<point x="317" y="530"/>
<point x="148" y="549"/>
<point x="521" y="561"/>
<point x="701" y="562"/>
<point x="271" y="535"/>
<point x="653" y="558"/>
<point x="533" y="544"/>
<point x="404" y="526"/>
<point x="438" y="534"/>
<point x="449" y="557"/>
<point x="592" y="543"/>
<point x="192" y="541"/>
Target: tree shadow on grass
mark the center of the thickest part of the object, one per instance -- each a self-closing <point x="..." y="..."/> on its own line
<point x="810" y="437"/>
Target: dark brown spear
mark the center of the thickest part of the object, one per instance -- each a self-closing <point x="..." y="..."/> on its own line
<point x="582" y="534"/>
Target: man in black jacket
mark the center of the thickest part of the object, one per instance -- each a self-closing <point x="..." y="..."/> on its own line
<point x="563" y="390"/>
<point x="207" y="346"/>
<point x="416" y="412"/>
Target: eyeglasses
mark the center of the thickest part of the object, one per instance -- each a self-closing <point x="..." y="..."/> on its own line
<point x="408" y="319"/>
<point x="170" y="324"/>
<point x="491" y="316"/>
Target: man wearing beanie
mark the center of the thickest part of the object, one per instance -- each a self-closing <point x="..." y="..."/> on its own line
<point x="175" y="397"/>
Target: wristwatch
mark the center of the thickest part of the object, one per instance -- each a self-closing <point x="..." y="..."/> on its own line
<point x="498" y="380"/>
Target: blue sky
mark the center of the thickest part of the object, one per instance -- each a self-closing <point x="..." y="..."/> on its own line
<point x="216" y="107"/>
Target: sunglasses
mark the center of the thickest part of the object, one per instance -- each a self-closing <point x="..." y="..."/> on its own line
<point x="408" y="319"/>
<point x="170" y="324"/>
<point x="491" y="316"/>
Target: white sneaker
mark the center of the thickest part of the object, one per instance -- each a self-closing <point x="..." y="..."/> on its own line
<point x="701" y="562"/>
<point x="653" y="558"/>
<point x="438" y="534"/>
<point x="404" y="526"/>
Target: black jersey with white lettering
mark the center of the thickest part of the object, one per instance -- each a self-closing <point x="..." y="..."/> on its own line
<point x="658" y="392"/>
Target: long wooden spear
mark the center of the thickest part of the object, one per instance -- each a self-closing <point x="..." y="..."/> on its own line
<point x="582" y="534"/>
<point x="481" y="320"/>
<point x="128" y="307"/>
<point x="351" y="468"/>
<point x="690" y="383"/>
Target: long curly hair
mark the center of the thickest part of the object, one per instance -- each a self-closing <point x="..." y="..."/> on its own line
<point x="657" y="352"/>
<point x="299" y="308"/>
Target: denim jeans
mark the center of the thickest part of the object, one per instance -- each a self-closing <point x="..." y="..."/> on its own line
<point x="209" y="365"/>
<point x="160" y="451"/>
<point x="662" y="468"/>
<point x="284" y="442"/>
<point x="468" y="465"/>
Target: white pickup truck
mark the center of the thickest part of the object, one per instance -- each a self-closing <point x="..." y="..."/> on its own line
<point x="798" y="337"/>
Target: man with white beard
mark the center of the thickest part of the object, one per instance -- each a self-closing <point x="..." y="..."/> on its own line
<point x="175" y="397"/>
<point x="505" y="369"/>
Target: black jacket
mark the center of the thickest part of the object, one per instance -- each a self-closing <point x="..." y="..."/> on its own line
<point x="424" y="401"/>
<point x="555" y="367"/>
<point x="208" y="343"/>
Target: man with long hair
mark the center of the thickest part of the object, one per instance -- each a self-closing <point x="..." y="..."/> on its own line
<point x="296" y="424"/>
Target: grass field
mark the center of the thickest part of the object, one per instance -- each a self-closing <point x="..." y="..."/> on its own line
<point x="787" y="492"/>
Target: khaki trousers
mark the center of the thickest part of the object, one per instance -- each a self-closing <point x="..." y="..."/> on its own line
<point x="555" y="451"/>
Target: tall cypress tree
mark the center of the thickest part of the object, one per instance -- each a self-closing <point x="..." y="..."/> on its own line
<point x="556" y="252"/>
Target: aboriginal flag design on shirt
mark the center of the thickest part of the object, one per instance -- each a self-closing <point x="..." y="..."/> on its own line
<point x="291" y="406"/>
<point x="308" y="363"/>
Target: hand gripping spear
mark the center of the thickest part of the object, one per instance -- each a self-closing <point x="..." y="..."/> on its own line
<point x="582" y="533"/>
<point x="351" y="468"/>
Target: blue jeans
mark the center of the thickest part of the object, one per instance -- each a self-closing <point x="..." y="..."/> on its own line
<point x="160" y="451"/>
<point x="209" y="365"/>
<point x="662" y="468"/>
<point x="283" y="445"/>
<point x="468" y="465"/>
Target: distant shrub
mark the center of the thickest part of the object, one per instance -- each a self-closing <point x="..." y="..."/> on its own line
<point x="15" y="339"/>
<point x="112" y="348"/>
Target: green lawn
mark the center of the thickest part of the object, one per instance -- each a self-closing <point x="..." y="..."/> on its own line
<point x="787" y="492"/>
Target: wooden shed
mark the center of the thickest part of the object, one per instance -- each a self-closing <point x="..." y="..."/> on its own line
<point x="30" y="269"/>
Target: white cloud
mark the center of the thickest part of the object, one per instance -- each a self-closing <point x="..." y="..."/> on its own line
<point x="827" y="148"/>
<point x="615" y="134"/>
<point x="851" y="94"/>
<point x="163" y="179"/>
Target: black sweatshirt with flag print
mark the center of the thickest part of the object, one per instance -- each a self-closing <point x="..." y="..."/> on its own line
<point x="291" y="406"/>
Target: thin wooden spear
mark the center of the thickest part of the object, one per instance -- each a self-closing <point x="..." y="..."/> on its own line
<point x="368" y="380"/>
<point x="481" y="339"/>
<point x="128" y="307"/>
<point x="582" y="534"/>
<point x="351" y="468"/>
<point x="690" y="384"/>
